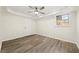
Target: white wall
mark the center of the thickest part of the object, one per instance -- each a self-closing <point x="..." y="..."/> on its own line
<point x="0" y="27"/>
<point x="48" y="27"/>
<point x="77" y="28"/>
<point x="16" y="26"/>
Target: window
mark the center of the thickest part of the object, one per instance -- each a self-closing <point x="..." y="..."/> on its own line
<point x="62" y="20"/>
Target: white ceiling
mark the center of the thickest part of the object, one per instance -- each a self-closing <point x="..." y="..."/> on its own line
<point x="49" y="10"/>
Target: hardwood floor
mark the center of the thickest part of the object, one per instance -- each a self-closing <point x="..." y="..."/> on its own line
<point x="38" y="44"/>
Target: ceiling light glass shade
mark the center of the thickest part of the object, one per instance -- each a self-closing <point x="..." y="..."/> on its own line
<point x="36" y="13"/>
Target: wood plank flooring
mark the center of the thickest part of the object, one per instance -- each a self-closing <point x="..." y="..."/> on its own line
<point x="38" y="44"/>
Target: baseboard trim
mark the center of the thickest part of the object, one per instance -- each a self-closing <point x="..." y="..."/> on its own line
<point x="0" y="46"/>
<point x="57" y="38"/>
<point x="77" y="44"/>
<point x="19" y="37"/>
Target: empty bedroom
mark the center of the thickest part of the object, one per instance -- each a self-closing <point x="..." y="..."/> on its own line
<point x="39" y="29"/>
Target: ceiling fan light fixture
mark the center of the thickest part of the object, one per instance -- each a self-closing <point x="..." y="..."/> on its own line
<point x="37" y="10"/>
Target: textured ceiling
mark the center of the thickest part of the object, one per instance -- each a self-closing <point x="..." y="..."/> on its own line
<point x="49" y="10"/>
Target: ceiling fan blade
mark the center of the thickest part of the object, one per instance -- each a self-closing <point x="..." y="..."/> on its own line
<point x="41" y="12"/>
<point x="42" y="8"/>
<point x="30" y="11"/>
<point x="31" y="7"/>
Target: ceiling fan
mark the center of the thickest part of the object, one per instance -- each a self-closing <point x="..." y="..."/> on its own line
<point x="36" y="10"/>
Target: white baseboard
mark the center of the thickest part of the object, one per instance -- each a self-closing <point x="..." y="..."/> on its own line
<point x="0" y="45"/>
<point x="77" y="44"/>
<point x="64" y="39"/>
<point x="14" y="37"/>
<point x="57" y="38"/>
